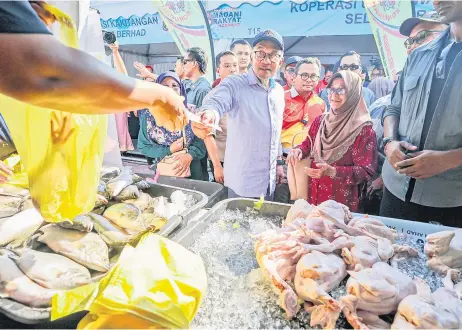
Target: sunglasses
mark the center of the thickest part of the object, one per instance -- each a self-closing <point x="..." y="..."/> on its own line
<point x="351" y="67"/>
<point x="338" y="91"/>
<point x="306" y="76"/>
<point x="419" y="38"/>
<point x="261" y="56"/>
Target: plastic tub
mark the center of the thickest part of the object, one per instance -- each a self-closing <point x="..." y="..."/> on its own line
<point x="16" y="315"/>
<point x="214" y="191"/>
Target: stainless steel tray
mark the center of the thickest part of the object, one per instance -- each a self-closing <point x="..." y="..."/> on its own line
<point x="24" y="315"/>
<point x="187" y="235"/>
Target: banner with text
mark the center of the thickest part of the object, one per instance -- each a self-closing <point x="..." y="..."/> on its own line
<point x="385" y="19"/>
<point x="310" y="18"/>
<point x="138" y="22"/>
<point x="187" y="23"/>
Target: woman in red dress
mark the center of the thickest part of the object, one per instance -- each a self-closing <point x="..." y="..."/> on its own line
<point x="345" y="147"/>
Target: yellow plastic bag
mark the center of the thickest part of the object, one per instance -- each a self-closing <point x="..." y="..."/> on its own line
<point x="19" y="177"/>
<point x="62" y="153"/>
<point x="158" y="284"/>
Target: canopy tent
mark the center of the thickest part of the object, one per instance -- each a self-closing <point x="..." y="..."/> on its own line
<point x="309" y="28"/>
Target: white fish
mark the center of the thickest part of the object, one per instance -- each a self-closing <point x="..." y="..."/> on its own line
<point x="16" y="229"/>
<point x="87" y="249"/>
<point x="10" y="204"/>
<point x="126" y="216"/>
<point x="50" y="270"/>
<point x="142" y="202"/>
<point x="18" y="287"/>
<point x="13" y="190"/>
<point x="116" y="185"/>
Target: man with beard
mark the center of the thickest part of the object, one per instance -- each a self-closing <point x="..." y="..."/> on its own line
<point x="423" y="130"/>
<point x="254" y="103"/>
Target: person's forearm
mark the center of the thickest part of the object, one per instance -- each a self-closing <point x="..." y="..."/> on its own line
<point x="454" y="158"/>
<point x="390" y="127"/>
<point x="212" y="150"/>
<point x="119" y="62"/>
<point x="67" y="79"/>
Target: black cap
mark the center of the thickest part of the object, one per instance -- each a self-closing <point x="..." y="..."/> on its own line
<point x="407" y="26"/>
<point x="293" y="60"/>
<point x="269" y="35"/>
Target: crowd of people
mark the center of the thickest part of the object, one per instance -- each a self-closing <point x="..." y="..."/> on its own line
<point x="377" y="145"/>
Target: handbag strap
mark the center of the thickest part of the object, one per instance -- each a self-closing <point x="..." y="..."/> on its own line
<point x="309" y="137"/>
<point x="183" y="132"/>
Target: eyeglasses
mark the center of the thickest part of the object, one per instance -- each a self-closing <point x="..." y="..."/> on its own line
<point x="351" y="67"/>
<point x="338" y="91"/>
<point x="306" y="76"/>
<point x="186" y="61"/>
<point x="261" y="56"/>
<point x="290" y="71"/>
<point x="419" y="38"/>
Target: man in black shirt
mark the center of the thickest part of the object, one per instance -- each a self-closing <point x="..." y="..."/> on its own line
<point x="423" y="130"/>
<point x="63" y="78"/>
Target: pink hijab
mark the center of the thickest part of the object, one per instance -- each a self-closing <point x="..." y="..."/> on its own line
<point x="340" y="127"/>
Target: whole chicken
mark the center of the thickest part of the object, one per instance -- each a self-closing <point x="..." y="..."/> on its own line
<point x="444" y="252"/>
<point x="374" y="226"/>
<point x="377" y="290"/>
<point x="367" y="251"/>
<point x="317" y="274"/>
<point x="441" y="309"/>
<point x="277" y="256"/>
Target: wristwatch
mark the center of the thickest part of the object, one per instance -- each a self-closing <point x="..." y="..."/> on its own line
<point x="280" y="162"/>
<point x="387" y="140"/>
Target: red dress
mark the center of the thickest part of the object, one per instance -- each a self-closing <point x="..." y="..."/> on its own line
<point x="354" y="169"/>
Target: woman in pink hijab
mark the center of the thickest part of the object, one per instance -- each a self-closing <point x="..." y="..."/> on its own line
<point x="344" y="147"/>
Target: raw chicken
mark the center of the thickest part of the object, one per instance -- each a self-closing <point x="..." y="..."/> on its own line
<point x="317" y="274"/>
<point x="444" y="252"/>
<point x="377" y="290"/>
<point x="374" y="226"/>
<point x="278" y="267"/>
<point x="424" y="310"/>
<point x="367" y="251"/>
<point x="300" y="210"/>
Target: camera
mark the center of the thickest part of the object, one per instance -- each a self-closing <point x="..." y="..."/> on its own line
<point x="109" y="37"/>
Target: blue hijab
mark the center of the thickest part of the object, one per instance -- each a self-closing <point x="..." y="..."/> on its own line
<point x="161" y="135"/>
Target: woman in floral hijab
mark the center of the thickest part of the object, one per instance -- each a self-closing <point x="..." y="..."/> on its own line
<point x="156" y="142"/>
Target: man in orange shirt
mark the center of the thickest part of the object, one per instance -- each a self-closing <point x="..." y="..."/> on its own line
<point x="289" y="71"/>
<point x="302" y="104"/>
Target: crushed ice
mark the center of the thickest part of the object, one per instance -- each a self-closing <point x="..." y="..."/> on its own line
<point x="239" y="296"/>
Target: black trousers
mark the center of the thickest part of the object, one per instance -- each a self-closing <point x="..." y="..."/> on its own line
<point x="394" y="207"/>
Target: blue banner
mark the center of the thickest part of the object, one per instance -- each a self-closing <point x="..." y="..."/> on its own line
<point x="310" y="18"/>
<point x="133" y="22"/>
<point x="137" y="22"/>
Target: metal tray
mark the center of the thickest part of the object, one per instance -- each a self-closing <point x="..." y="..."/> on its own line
<point x="197" y="226"/>
<point x="178" y="221"/>
<point x="214" y="191"/>
<point x="19" y="315"/>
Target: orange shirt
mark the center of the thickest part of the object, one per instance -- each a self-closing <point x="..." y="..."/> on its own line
<point x="298" y="109"/>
